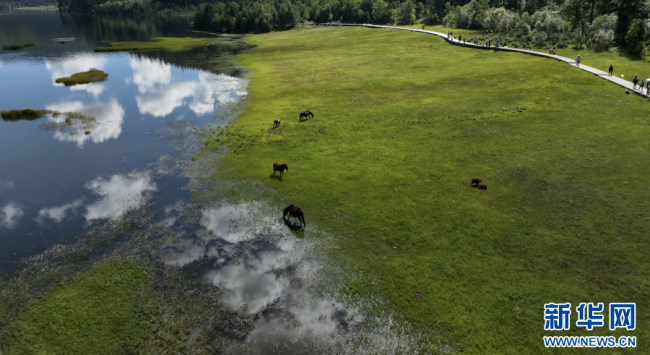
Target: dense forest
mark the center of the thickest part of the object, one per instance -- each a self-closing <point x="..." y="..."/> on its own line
<point x="599" y="24"/>
<point x="127" y="6"/>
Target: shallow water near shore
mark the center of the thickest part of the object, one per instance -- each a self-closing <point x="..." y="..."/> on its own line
<point x="71" y="194"/>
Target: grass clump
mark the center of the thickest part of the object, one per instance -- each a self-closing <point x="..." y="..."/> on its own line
<point x="90" y="76"/>
<point x="159" y="43"/>
<point x="403" y="122"/>
<point x="28" y="114"/>
<point x="94" y="312"/>
<point x="18" y="46"/>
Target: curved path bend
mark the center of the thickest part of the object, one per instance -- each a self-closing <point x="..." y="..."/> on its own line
<point x="603" y="75"/>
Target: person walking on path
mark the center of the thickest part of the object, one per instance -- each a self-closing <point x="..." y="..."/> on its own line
<point x="635" y="81"/>
<point x="648" y="90"/>
<point x="642" y="85"/>
<point x="578" y="60"/>
<point x="460" y="37"/>
<point x="611" y="70"/>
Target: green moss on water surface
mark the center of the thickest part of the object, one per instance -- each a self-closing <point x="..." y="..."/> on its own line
<point x="159" y="43"/>
<point x="94" y="312"/>
<point x="17" y="46"/>
<point x="403" y="122"/>
<point x="87" y="77"/>
<point x="28" y="114"/>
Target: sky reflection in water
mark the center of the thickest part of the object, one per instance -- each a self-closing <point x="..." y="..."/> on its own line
<point x="50" y="188"/>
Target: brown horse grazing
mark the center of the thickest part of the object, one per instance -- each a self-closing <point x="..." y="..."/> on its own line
<point x="306" y="114"/>
<point x="280" y="167"/>
<point x="294" y="211"/>
<point x="476" y="183"/>
<point x="276" y="123"/>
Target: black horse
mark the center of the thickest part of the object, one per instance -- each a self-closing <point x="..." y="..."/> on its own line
<point x="305" y="114"/>
<point x="294" y="211"/>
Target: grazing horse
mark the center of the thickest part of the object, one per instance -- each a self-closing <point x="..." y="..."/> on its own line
<point x="280" y="167"/>
<point x="276" y="123"/>
<point x="476" y="183"/>
<point x="306" y="114"/>
<point x="294" y="211"/>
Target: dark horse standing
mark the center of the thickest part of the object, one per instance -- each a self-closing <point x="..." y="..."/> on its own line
<point x="295" y="212"/>
<point x="306" y="114"/>
<point x="276" y="123"/>
<point x="280" y="167"/>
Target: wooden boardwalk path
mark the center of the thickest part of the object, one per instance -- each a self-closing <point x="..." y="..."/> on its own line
<point x="603" y="75"/>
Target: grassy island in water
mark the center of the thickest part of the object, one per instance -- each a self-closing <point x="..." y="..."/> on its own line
<point x="87" y="77"/>
<point x="160" y="43"/>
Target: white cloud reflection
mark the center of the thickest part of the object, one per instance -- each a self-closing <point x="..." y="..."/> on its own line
<point x="92" y="88"/>
<point x="200" y="95"/>
<point x="119" y="195"/>
<point x="10" y="214"/>
<point x="109" y="116"/>
<point x="253" y="283"/>
<point x="148" y="73"/>
<point x="233" y="222"/>
<point x="6" y="185"/>
<point x="58" y="213"/>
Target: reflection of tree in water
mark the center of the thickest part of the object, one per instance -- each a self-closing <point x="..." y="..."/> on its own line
<point x="95" y="28"/>
<point x="214" y="58"/>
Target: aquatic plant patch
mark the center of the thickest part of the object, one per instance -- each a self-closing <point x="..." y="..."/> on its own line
<point x="91" y="76"/>
<point x="15" y="47"/>
<point x="73" y="123"/>
<point x="159" y="43"/>
<point x="402" y="123"/>
<point x="28" y="114"/>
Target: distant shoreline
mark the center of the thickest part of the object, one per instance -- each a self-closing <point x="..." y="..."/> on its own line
<point x="42" y="8"/>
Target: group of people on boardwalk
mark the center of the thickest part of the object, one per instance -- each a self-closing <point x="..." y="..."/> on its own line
<point x="640" y="85"/>
<point x="450" y="36"/>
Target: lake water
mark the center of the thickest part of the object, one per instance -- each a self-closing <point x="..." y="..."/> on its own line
<point x="56" y="185"/>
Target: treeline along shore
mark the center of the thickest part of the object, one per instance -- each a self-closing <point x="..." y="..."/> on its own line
<point x="598" y="24"/>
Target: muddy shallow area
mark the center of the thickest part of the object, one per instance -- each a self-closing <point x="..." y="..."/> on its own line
<point x="227" y="270"/>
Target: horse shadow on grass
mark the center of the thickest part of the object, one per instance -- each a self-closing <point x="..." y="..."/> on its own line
<point x="276" y="176"/>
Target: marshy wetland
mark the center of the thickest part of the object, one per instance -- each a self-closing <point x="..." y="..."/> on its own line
<point x="115" y="234"/>
<point x="173" y="191"/>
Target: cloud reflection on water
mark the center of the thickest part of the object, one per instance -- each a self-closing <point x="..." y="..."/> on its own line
<point x="119" y="195"/>
<point x="10" y="214"/>
<point x="147" y="73"/>
<point x="232" y="222"/>
<point x="109" y="116"/>
<point x="6" y="185"/>
<point x="58" y="213"/>
<point x="160" y="97"/>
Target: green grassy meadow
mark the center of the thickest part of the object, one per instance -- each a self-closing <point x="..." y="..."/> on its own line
<point x="95" y="312"/>
<point x="160" y="43"/>
<point x="403" y="122"/>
